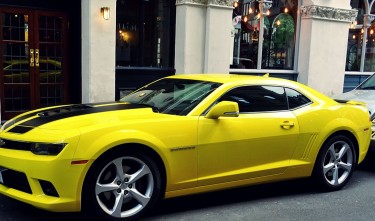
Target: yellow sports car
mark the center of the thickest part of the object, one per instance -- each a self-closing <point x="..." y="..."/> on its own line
<point x="180" y="135"/>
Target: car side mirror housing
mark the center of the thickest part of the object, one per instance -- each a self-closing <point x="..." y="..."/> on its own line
<point x="223" y="109"/>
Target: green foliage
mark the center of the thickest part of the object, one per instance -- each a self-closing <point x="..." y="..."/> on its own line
<point x="283" y="32"/>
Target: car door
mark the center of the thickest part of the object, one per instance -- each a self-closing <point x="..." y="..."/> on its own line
<point x="259" y="142"/>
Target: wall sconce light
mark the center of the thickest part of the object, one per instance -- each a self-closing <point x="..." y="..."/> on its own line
<point x="105" y="12"/>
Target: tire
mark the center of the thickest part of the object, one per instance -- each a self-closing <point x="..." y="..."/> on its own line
<point x="335" y="163"/>
<point x="121" y="187"/>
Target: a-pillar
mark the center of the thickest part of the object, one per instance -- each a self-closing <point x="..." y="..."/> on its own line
<point x="203" y="36"/>
<point x="323" y="44"/>
<point x="98" y="51"/>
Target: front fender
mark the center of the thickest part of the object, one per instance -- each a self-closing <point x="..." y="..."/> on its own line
<point x="91" y="149"/>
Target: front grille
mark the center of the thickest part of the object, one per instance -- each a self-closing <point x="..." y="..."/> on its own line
<point x="15" y="145"/>
<point x="14" y="179"/>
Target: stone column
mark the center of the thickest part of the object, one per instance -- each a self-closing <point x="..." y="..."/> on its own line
<point x="203" y="36"/>
<point x="218" y="36"/>
<point x="323" y="44"/>
<point x="190" y="35"/>
<point x="98" y="51"/>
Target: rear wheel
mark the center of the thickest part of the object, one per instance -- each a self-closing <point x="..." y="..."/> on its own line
<point x="122" y="187"/>
<point x="335" y="163"/>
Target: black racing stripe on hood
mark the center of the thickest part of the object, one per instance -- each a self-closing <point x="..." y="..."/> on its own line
<point x="53" y="109"/>
<point x="55" y="114"/>
<point x="12" y="122"/>
<point x="20" y="130"/>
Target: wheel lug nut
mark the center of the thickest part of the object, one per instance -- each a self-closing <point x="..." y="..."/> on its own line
<point x="126" y="192"/>
<point x="119" y="190"/>
<point x="130" y="186"/>
<point x="126" y="180"/>
<point x="119" y="183"/>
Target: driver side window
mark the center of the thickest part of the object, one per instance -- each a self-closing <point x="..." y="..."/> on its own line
<point x="257" y="98"/>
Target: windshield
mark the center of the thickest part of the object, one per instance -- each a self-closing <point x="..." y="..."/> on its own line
<point x="172" y="96"/>
<point x="368" y="84"/>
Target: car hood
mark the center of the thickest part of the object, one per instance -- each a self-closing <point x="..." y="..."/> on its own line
<point x="73" y="117"/>
<point x="367" y="96"/>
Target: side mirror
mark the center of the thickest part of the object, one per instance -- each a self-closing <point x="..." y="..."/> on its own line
<point x="223" y="109"/>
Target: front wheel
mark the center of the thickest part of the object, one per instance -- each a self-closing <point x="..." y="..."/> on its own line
<point x="122" y="187"/>
<point x="335" y="163"/>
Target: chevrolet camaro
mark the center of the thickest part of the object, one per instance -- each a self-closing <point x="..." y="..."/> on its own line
<point x="180" y="135"/>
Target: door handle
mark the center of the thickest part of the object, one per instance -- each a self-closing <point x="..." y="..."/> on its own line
<point x="37" y="57"/>
<point x="32" y="58"/>
<point x="287" y="124"/>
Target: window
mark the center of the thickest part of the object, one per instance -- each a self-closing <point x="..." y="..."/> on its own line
<point x="296" y="99"/>
<point x="145" y="33"/>
<point x="172" y="96"/>
<point x="359" y="60"/>
<point x="278" y="28"/>
<point x="258" y="98"/>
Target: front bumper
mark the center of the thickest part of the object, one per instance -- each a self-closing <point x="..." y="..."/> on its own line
<point x="48" y="182"/>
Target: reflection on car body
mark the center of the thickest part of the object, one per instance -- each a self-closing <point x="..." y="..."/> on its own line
<point x="180" y="135"/>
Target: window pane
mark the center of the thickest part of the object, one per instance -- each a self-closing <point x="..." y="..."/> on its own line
<point x="353" y="55"/>
<point x="296" y="99"/>
<point x="258" y="98"/>
<point x="278" y="38"/>
<point x="246" y="32"/>
<point x="359" y="5"/>
<point x="144" y="33"/>
<point x="278" y="45"/>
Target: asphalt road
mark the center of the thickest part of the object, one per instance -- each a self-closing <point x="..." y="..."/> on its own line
<point x="291" y="200"/>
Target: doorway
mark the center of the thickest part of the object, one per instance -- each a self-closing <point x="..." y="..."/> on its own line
<point x="33" y="60"/>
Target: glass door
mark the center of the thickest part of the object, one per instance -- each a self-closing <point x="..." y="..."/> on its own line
<point x="32" y="60"/>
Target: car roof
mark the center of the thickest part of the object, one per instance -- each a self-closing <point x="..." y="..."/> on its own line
<point x="235" y="78"/>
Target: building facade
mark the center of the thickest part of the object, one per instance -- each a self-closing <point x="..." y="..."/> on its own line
<point x="58" y="52"/>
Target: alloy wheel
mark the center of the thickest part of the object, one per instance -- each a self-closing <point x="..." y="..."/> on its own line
<point x="338" y="163"/>
<point x="124" y="187"/>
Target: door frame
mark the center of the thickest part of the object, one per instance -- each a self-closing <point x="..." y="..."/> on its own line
<point x="34" y="42"/>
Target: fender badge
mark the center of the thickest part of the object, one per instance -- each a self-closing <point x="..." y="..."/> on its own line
<point x="182" y="148"/>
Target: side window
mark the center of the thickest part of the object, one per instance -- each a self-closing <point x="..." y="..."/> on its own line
<point x="296" y="99"/>
<point x="258" y="98"/>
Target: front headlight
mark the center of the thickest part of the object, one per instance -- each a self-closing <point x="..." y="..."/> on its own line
<point x="47" y="148"/>
<point x="35" y="148"/>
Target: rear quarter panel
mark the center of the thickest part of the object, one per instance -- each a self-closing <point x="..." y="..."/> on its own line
<point x="320" y="121"/>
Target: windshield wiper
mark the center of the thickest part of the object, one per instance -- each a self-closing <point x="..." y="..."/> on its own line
<point x="154" y="109"/>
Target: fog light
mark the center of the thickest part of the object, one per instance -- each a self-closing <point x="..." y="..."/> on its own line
<point x="48" y="188"/>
